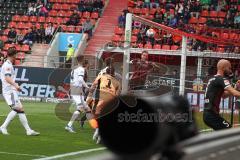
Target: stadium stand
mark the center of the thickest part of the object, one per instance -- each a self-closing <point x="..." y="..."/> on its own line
<point x="30" y="21"/>
<point x="216" y="20"/>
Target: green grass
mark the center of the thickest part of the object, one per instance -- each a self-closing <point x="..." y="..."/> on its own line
<point x="53" y="140"/>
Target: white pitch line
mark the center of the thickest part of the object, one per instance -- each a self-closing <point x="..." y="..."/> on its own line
<point x="22" y="154"/>
<point x="72" y="154"/>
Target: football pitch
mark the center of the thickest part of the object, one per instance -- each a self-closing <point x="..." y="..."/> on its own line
<point x="54" y="141"/>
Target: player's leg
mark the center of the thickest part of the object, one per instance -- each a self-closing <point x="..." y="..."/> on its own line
<point x="76" y="113"/>
<point x="12" y="114"/>
<point x="215" y="121"/>
<point x="22" y="116"/>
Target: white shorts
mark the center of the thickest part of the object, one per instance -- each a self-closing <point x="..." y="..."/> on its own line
<point x="79" y="101"/>
<point x="12" y="99"/>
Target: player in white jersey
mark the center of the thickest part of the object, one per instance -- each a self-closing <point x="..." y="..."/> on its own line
<point x="77" y="83"/>
<point x="10" y="91"/>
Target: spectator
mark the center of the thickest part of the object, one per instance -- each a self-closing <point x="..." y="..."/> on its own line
<point x="146" y="4"/>
<point x="173" y="22"/>
<point x="12" y="35"/>
<point x="89" y="5"/>
<point x="98" y="6"/>
<point x="221" y="5"/>
<point x="88" y="27"/>
<point x="28" y="38"/>
<point x="154" y="4"/>
<point x="49" y="31"/>
<point x="237" y="20"/>
<point x="81" y="6"/>
<point x="31" y="10"/>
<point x="121" y="20"/>
<point x="43" y="11"/>
<point x="41" y="34"/>
<point x="74" y="19"/>
<point x="70" y="54"/>
<point x="20" y="37"/>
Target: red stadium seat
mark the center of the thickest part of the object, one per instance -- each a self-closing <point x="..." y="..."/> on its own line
<point x="78" y="29"/>
<point x="152" y="11"/>
<point x="17" y="62"/>
<point x="134" y="39"/>
<point x="193" y="20"/>
<point x="157" y="46"/>
<point x="70" y="29"/>
<point x="53" y="13"/>
<point x="204" y="13"/>
<point x="18" y="47"/>
<point x="57" y="6"/>
<point x="202" y="20"/>
<point x="33" y="19"/>
<point x="24" y="19"/>
<point x="41" y="19"/>
<point x="165" y="47"/>
<point x="118" y="30"/>
<point x="59" y="20"/>
<point x="225" y="36"/>
<point x="50" y="20"/>
<point x="66" y="7"/>
<point x="20" y="25"/>
<point x="68" y="13"/>
<point x="233" y="36"/>
<point x="5" y="32"/>
<point x="145" y="11"/>
<point x="222" y="14"/>
<point x="16" y="18"/>
<point x="174" y="47"/>
<point x="86" y="14"/>
<point x="61" y="13"/>
<point x="135" y="31"/>
<point x="7" y="46"/>
<point x="116" y="38"/>
<point x="137" y="11"/>
<point x="220" y="49"/>
<point x="28" y="25"/>
<point x="20" y="55"/>
<point x="148" y="46"/>
<point x="94" y="15"/>
<point x="11" y="24"/>
<point x="4" y="38"/>
<point x="213" y="14"/>
<point x="25" y="48"/>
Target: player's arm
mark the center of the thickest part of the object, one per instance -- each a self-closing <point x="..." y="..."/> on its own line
<point x="230" y="90"/>
<point x="11" y="82"/>
<point x="81" y="80"/>
<point x="94" y="85"/>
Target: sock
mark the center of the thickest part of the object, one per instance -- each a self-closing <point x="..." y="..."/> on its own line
<point x="74" y="117"/>
<point x="24" y="121"/>
<point x="9" y="118"/>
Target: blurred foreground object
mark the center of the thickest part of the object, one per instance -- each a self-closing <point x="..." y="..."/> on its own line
<point x="140" y="128"/>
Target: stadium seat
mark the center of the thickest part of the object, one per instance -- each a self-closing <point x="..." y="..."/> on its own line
<point x="94" y="15"/>
<point x="193" y="20"/>
<point x="135" y="31"/>
<point x="202" y="20"/>
<point x="221" y="49"/>
<point x="68" y="13"/>
<point x="50" y="20"/>
<point x="16" y="18"/>
<point x="33" y="19"/>
<point x="18" y="47"/>
<point x="24" y="18"/>
<point x="157" y="46"/>
<point x="134" y="39"/>
<point x="41" y="19"/>
<point x="28" y="25"/>
<point x="57" y="6"/>
<point x="165" y="47"/>
<point x="145" y="11"/>
<point x="5" y="32"/>
<point x="78" y="29"/>
<point x="65" y="7"/>
<point x="86" y="15"/>
<point x="4" y="53"/>
<point x="152" y="11"/>
<point x="137" y="11"/>
<point x="116" y="38"/>
<point x="17" y="62"/>
<point x="7" y="46"/>
<point x="225" y="36"/>
<point x="213" y="14"/>
<point x="70" y="29"/>
<point x="20" y="55"/>
<point x="53" y="13"/>
<point x="148" y="46"/>
<point x="4" y="38"/>
<point x="222" y="14"/>
<point x="25" y="48"/>
<point x="233" y="36"/>
<point x="174" y="47"/>
<point x="11" y="24"/>
<point x="118" y="31"/>
<point x="20" y="25"/>
<point x="204" y="13"/>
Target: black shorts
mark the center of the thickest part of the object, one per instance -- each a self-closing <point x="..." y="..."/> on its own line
<point x="215" y="121"/>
